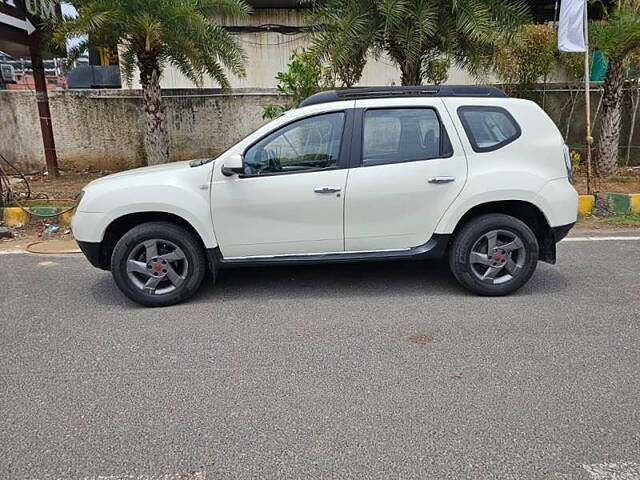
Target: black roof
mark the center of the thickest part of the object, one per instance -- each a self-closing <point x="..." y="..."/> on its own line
<point x="390" y="92"/>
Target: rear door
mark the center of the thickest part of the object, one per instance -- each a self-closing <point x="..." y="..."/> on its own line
<point x="407" y="167"/>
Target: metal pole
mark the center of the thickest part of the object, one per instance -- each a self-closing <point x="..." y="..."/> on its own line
<point x="587" y="91"/>
<point x="42" y="98"/>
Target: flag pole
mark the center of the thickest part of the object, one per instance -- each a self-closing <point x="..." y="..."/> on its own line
<point x="587" y="92"/>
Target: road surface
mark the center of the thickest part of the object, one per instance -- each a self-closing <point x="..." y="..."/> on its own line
<point x="312" y="373"/>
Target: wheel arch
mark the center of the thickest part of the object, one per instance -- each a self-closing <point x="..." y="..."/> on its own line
<point x="121" y="225"/>
<point x="525" y="211"/>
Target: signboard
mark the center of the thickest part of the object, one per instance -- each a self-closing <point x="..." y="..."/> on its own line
<point x="20" y="37"/>
<point x="18" y="21"/>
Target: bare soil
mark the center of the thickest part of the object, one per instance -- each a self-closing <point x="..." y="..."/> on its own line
<point x="28" y="234"/>
<point x="68" y="186"/>
<point x="627" y="181"/>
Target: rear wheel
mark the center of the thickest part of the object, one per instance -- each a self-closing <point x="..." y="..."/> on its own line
<point x="158" y="264"/>
<point x="494" y="254"/>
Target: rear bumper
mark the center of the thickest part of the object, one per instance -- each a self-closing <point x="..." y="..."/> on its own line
<point x="558" y="200"/>
<point x="560" y="232"/>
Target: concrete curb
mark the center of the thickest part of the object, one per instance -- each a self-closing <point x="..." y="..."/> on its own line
<point x="635" y="202"/>
<point x="16" y="217"/>
<point x="624" y="202"/>
<point x="620" y="203"/>
<point x="585" y="204"/>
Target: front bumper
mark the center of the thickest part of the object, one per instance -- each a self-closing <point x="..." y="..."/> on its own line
<point x="92" y="251"/>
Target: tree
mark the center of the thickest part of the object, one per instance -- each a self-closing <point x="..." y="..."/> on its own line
<point x="618" y="36"/>
<point x="152" y="34"/>
<point x="414" y="33"/>
<point x="330" y="20"/>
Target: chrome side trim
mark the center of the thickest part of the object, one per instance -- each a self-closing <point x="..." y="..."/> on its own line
<point x="259" y="257"/>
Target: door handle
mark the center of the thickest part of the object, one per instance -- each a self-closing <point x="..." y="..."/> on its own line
<point x="327" y="189"/>
<point x="444" y="179"/>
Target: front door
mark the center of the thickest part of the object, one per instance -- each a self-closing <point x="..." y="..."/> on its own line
<point x="408" y="167"/>
<point x="290" y="199"/>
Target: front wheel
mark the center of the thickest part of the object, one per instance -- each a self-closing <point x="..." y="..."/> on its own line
<point x="158" y="263"/>
<point x="494" y="254"/>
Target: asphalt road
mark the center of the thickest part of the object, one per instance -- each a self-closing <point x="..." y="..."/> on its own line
<point x="309" y="373"/>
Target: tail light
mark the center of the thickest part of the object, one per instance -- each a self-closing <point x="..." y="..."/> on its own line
<point x="567" y="162"/>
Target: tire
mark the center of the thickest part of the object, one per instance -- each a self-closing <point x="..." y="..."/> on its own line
<point x="508" y="268"/>
<point x="174" y="271"/>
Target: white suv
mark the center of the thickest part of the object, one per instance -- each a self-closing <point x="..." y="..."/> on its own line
<point x="351" y="175"/>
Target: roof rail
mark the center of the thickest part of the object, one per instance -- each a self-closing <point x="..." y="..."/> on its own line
<point x="407" y="91"/>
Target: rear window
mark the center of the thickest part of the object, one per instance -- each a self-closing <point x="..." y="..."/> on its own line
<point x="488" y="128"/>
<point x="393" y="135"/>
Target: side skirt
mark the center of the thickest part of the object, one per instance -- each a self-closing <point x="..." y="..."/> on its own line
<point x="434" y="248"/>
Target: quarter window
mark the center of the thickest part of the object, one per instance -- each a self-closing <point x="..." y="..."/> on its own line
<point x="403" y="135"/>
<point x="488" y="128"/>
<point x="308" y="144"/>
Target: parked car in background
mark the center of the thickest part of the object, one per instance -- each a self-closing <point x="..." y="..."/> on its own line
<point x="353" y="175"/>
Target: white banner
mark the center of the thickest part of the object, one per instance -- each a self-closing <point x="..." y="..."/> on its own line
<point x="571" y="27"/>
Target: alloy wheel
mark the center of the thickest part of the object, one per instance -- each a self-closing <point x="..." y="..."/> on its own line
<point x="157" y="267"/>
<point x="497" y="257"/>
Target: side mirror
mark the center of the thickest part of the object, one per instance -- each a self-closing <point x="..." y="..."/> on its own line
<point x="233" y="165"/>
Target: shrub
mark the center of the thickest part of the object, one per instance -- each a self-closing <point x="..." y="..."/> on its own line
<point x="529" y="57"/>
<point x="304" y="77"/>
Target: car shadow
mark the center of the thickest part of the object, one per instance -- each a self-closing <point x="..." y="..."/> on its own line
<point x="378" y="279"/>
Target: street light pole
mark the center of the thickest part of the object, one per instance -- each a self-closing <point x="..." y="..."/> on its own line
<point x="587" y="92"/>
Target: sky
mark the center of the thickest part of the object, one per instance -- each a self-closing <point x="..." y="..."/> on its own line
<point x="67" y="9"/>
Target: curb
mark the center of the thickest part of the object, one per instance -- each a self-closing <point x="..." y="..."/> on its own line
<point x="16" y="217"/>
<point x="620" y="203"/>
<point x="585" y="204"/>
<point x="624" y="202"/>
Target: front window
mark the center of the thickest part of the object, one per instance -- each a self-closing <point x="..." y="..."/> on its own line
<point x="308" y="144"/>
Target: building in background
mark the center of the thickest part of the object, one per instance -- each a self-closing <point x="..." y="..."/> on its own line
<point x="278" y="27"/>
<point x="269" y="36"/>
<point x="17" y="72"/>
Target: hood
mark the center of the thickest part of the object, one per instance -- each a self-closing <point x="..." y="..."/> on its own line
<point x="166" y="168"/>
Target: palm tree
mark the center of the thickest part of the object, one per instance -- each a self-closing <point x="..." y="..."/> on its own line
<point x="151" y="34"/>
<point x="342" y="35"/>
<point x="416" y="32"/>
<point x="618" y="36"/>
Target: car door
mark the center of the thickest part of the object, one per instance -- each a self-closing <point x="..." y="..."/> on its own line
<point x="289" y="201"/>
<point x="408" y="166"/>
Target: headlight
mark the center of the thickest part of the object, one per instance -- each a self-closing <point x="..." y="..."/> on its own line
<point x="567" y="162"/>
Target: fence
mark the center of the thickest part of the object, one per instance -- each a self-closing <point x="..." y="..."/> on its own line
<point x="566" y="106"/>
<point x="103" y="129"/>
